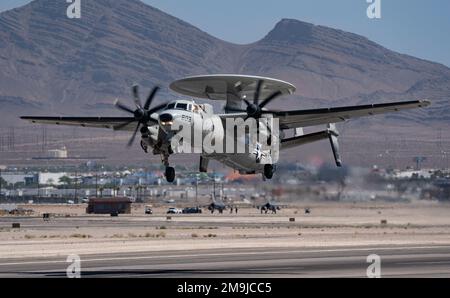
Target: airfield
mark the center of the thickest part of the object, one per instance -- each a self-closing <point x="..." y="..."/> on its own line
<point x="333" y="240"/>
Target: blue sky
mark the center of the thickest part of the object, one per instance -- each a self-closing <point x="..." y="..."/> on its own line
<point x="415" y="27"/>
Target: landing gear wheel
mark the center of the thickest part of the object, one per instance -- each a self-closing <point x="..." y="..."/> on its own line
<point x="144" y="146"/>
<point x="268" y="171"/>
<point x="170" y="174"/>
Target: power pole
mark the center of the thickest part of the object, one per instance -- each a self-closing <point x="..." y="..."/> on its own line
<point x="419" y="160"/>
<point x="196" y="189"/>
<point x="137" y="192"/>
<point x="96" y="182"/>
<point x="76" y="186"/>
<point x="448" y="165"/>
<point x="11" y="139"/>
<point x="44" y="138"/>
<point x="214" y="185"/>
<point x="38" y="190"/>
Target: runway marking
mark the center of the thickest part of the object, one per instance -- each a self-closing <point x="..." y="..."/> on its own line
<point x="226" y="254"/>
<point x="424" y="262"/>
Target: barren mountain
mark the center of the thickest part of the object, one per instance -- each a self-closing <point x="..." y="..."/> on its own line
<point x="52" y="64"/>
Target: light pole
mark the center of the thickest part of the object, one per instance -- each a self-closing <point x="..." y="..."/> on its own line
<point x="0" y="182"/>
<point x="1" y="169"/>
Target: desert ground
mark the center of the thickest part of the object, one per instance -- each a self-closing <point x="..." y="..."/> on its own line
<point x="329" y="224"/>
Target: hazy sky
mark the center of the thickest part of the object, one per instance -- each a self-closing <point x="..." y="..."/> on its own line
<point x="416" y="27"/>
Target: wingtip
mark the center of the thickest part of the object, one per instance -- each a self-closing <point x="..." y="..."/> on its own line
<point x="27" y="118"/>
<point x="425" y="103"/>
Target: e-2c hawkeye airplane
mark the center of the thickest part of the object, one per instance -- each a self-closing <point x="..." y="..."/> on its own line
<point x="243" y="96"/>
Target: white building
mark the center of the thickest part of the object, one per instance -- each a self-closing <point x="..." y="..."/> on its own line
<point x="8" y="207"/>
<point x="51" y="178"/>
<point x="13" y="178"/>
<point x="407" y="174"/>
<point x="58" y="153"/>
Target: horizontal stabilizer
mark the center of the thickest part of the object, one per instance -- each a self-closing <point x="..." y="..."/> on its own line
<point x="331" y="133"/>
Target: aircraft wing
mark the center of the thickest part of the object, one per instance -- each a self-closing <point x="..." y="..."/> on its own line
<point x="304" y="118"/>
<point x="116" y="123"/>
<point x="304" y="139"/>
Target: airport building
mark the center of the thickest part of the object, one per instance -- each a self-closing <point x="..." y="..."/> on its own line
<point x="57" y="153"/>
<point x="17" y="177"/>
<point x="51" y="178"/>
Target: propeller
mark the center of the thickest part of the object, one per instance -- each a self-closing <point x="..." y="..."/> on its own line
<point x="142" y="114"/>
<point x="255" y="109"/>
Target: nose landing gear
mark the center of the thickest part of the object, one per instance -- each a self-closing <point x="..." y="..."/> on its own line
<point x="170" y="174"/>
<point x="170" y="171"/>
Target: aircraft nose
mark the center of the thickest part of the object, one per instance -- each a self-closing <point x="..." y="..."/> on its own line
<point x="164" y="118"/>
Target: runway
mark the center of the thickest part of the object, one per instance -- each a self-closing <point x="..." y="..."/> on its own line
<point x="396" y="261"/>
<point x="331" y="241"/>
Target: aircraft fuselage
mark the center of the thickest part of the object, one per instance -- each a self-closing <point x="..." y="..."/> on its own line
<point x="204" y="131"/>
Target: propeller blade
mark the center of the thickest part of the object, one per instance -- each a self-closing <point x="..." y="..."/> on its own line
<point x="136" y="99"/>
<point x="122" y="107"/>
<point x="269" y="111"/>
<point x="149" y="100"/>
<point x="120" y="126"/>
<point x="157" y="108"/>
<point x="257" y="92"/>
<point x="246" y="102"/>
<point x="270" y="98"/>
<point x="236" y="110"/>
<point x="131" y="141"/>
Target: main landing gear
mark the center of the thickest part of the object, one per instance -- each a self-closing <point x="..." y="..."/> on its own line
<point x="268" y="171"/>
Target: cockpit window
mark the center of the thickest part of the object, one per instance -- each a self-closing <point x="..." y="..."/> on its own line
<point x="170" y="106"/>
<point x="182" y="106"/>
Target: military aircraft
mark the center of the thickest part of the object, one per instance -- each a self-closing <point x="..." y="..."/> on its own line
<point x="219" y="206"/>
<point x="269" y="207"/>
<point x="159" y="125"/>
